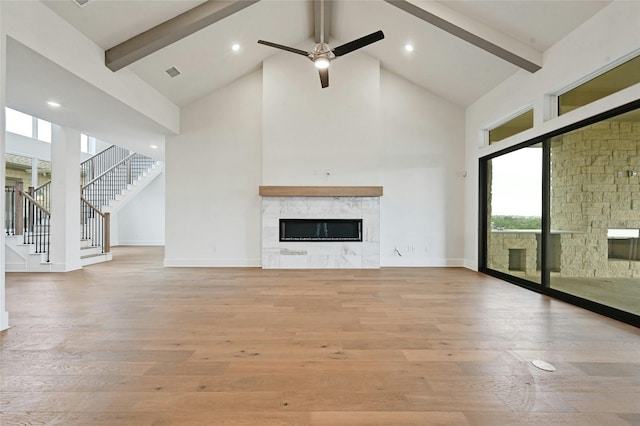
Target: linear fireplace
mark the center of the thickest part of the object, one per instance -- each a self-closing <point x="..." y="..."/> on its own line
<point x="314" y="218"/>
<point x="320" y="230"/>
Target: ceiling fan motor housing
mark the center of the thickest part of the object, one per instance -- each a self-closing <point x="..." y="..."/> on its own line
<point x="321" y="55"/>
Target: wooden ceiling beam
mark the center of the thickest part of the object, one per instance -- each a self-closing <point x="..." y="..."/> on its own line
<point x="171" y="31"/>
<point x="474" y="32"/>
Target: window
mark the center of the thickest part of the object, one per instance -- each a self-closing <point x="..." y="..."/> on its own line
<point x="620" y="77"/>
<point x="516" y="125"/>
<point x="84" y="143"/>
<point x="44" y="130"/>
<point x="27" y="125"/>
<point x="19" y="123"/>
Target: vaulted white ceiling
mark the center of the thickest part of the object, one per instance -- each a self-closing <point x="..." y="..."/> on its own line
<point x="440" y="63"/>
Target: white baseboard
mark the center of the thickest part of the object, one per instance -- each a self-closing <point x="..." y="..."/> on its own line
<point x="212" y="263"/>
<point x="139" y="243"/>
<point x="4" y="320"/>
<point x="471" y="264"/>
<point x="417" y="262"/>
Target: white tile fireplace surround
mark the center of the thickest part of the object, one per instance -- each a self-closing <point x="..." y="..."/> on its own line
<point x="286" y="202"/>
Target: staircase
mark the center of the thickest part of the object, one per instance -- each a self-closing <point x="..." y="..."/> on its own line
<point x="27" y="227"/>
<point x="110" y="180"/>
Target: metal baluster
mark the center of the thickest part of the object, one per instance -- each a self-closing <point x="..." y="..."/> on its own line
<point x="48" y="237"/>
<point x="25" y="231"/>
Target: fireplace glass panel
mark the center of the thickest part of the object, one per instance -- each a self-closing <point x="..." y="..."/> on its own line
<point x="320" y="229"/>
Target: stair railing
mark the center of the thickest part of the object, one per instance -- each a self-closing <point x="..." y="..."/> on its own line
<point x="112" y="182"/>
<point x="37" y="230"/>
<point x="101" y="162"/>
<point x="13" y="220"/>
<point x="26" y="216"/>
<point x="96" y="226"/>
<point x="42" y="194"/>
<point x="104" y="176"/>
<point x="103" y="182"/>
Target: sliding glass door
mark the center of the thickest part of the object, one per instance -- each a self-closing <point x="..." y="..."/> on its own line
<point x="562" y="214"/>
<point x="595" y="201"/>
<point x="514" y="212"/>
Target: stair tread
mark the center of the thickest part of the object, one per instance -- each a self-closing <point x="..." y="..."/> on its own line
<point x="89" y="256"/>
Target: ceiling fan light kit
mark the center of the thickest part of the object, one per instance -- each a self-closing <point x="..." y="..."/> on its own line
<point x="321" y="63"/>
<point x="322" y="54"/>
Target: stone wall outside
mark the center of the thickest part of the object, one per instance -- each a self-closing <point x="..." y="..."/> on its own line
<point x="591" y="191"/>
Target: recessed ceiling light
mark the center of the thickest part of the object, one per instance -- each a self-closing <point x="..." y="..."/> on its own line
<point x="408" y="47"/>
<point x="235" y="47"/>
<point x="53" y="104"/>
<point x="154" y="146"/>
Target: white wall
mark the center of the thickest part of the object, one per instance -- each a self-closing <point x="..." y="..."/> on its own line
<point x="27" y="147"/>
<point x="4" y="315"/>
<point x="309" y="131"/>
<point x="607" y="37"/>
<point x="421" y="170"/>
<point x="213" y="170"/>
<point x="35" y="148"/>
<point x="141" y="221"/>
<point x="370" y="127"/>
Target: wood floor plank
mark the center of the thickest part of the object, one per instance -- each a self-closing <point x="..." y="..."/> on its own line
<point x="388" y="418"/>
<point x="539" y="419"/>
<point x="133" y="343"/>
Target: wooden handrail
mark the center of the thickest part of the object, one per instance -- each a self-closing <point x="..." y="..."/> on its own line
<point x="33" y="200"/>
<point x="41" y="186"/>
<point x="108" y="170"/>
<point x="94" y="208"/>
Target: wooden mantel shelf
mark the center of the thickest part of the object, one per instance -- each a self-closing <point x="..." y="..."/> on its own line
<point x="320" y="191"/>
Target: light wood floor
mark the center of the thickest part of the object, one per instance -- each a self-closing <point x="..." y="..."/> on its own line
<point x="133" y="343"/>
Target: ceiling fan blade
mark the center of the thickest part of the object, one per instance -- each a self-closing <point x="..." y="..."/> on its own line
<point x="358" y="43"/>
<point x="324" y="77"/>
<point x="287" y="48"/>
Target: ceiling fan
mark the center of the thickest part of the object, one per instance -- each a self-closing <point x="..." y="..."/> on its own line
<point x="322" y="54"/>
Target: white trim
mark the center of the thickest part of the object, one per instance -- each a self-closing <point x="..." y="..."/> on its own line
<point x="509" y="117"/>
<point x="212" y="263"/>
<point x="549" y="107"/>
<point x="596" y="73"/>
<point x="617" y="99"/>
<point x="550" y="104"/>
<point x="471" y="264"/>
<point x="421" y="262"/>
<point x="153" y="243"/>
<point x="503" y="120"/>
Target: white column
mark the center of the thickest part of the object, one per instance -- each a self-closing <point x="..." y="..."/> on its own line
<point x="4" y="315"/>
<point x="34" y="172"/>
<point x="65" y="199"/>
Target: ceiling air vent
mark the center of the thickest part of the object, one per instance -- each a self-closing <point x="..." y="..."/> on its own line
<point x="173" y="72"/>
<point x="81" y="3"/>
